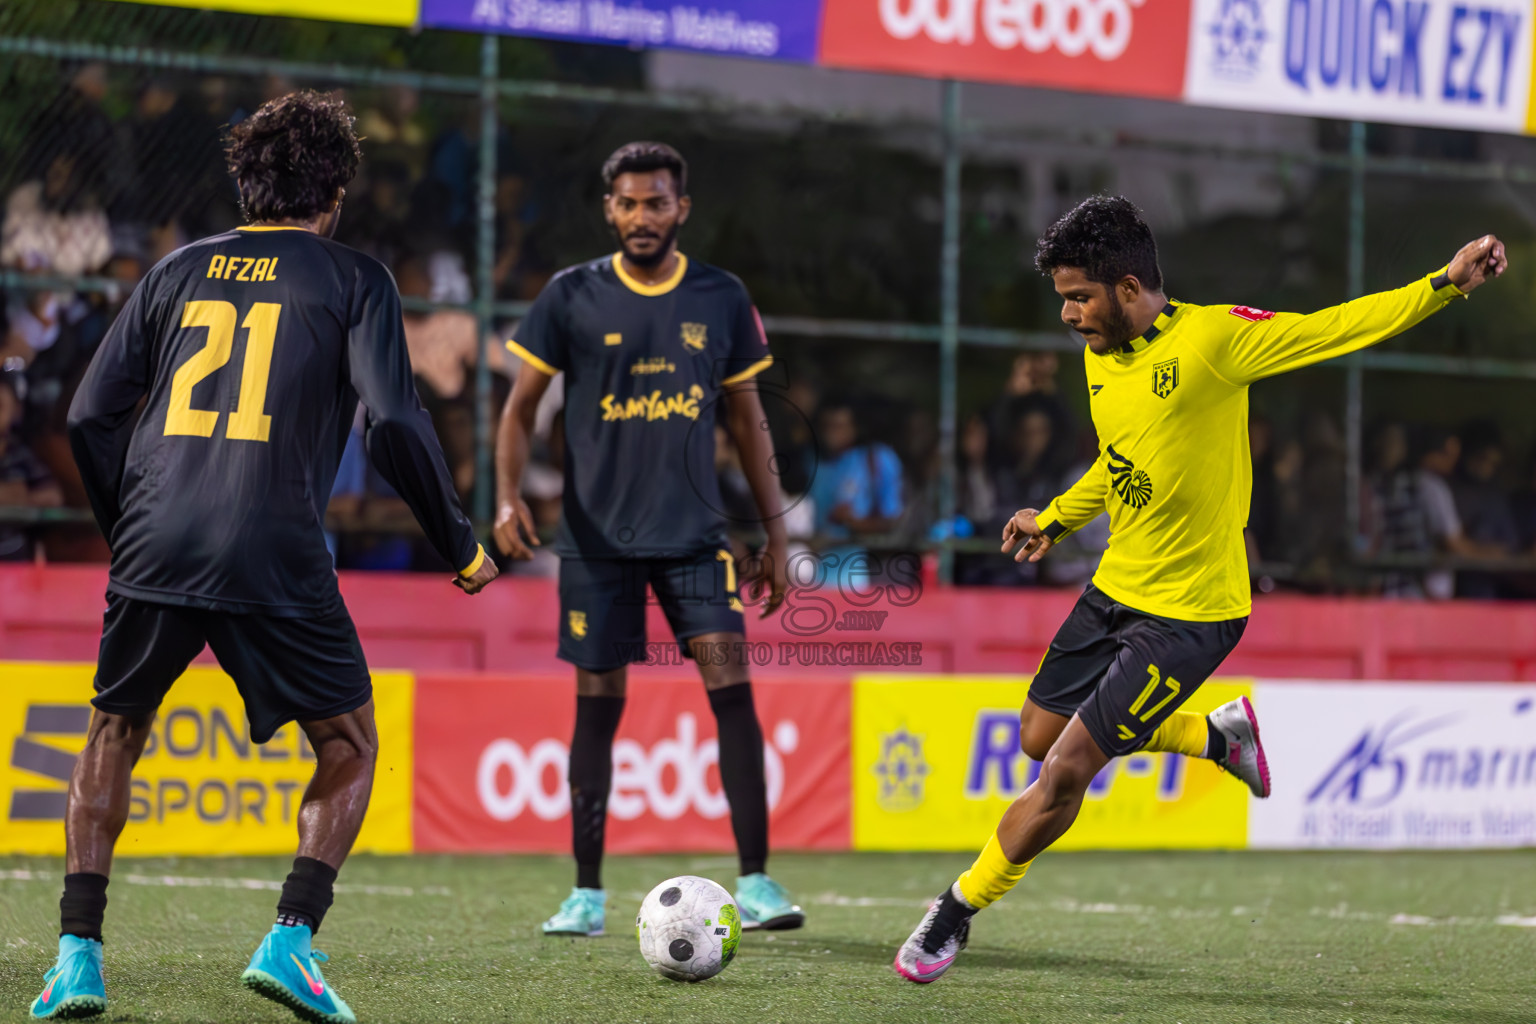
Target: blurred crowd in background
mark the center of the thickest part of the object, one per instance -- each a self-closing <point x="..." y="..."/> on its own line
<point x="100" y="195"/>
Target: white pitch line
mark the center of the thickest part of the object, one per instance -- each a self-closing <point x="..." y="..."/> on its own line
<point x="1071" y="906"/>
<point x="204" y="882"/>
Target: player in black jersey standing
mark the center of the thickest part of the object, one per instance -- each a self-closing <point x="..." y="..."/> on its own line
<point x="652" y="345"/>
<point x="250" y="352"/>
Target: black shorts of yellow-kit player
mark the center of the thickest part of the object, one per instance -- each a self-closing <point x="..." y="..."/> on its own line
<point x="287" y="669"/>
<point x="1124" y="671"/>
<point x="603" y="601"/>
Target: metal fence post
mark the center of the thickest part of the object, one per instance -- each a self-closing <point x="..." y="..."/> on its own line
<point x="485" y="285"/>
<point x="949" y="339"/>
<point x="1354" y="383"/>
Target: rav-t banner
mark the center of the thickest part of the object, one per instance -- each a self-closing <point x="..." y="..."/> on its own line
<point x="492" y="754"/>
<point x="772" y="29"/>
<point x="1127" y="47"/>
<point x="936" y="762"/>
<point x="1456" y="63"/>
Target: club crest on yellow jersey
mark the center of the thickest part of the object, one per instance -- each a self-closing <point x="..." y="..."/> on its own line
<point x="578" y="624"/>
<point x="695" y="335"/>
<point x="1133" y="485"/>
<point x="1165" y="377"/>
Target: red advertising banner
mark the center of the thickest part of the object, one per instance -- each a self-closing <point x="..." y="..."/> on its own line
<point x="491" y="756"/>
<point x="1125" y="47"/>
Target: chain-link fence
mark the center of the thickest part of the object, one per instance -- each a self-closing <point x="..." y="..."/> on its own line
<point x="480" y="181"/>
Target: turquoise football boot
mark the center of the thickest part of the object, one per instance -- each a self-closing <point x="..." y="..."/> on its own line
<point x="580" y="914"/>
<point x="764" y="903"/>
<point x="75" y="988"/>
<point x="285" y="970"/>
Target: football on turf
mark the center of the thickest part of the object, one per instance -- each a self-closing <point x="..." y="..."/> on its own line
<point x="688" y="928"/>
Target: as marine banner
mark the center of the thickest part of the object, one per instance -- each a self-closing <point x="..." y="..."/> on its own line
<point x="202" y="786"/>
<point x="765" y="29"/>
<point x="1398" y="765"/>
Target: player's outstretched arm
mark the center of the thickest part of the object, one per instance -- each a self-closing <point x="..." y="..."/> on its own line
<point x="515" y="532"/>
<point x="400" y="439"/>
<point x="747" y="424"/>
<point x="101" y="414"/>
<point x="1255" y="345"/>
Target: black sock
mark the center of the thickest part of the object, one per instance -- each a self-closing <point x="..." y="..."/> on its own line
<point x="306" y="894"/>
<point x="1215" y="742"/>
<point x="741" y="772"/>
<point x="590" y="776"/>
<point x="952" y="914"/>
<point x="83" y="905"/>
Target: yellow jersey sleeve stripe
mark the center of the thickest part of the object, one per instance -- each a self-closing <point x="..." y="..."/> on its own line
<point x="474" y="566"/>
<point x="750" y="372"/>
<point x="531" y="359"/>
<point x="640" y="288"/>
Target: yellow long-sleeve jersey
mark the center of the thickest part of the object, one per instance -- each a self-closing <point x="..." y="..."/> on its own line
<point x="1174" y="469"/>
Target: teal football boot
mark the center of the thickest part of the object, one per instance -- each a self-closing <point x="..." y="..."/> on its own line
<point x="764" y="903"/>
<point x="580" y="914"/>
<point x="75" y="988"/>
<point x="285" y="970"/>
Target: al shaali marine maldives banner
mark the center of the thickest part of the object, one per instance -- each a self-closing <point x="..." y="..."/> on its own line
<point x="1397" y="765"/>
<point x="769" y="29"/>
<point x="1454" y="63"/>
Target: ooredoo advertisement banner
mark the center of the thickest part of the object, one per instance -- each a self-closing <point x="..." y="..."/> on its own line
<point x="768" y="29"/>
<point x="936" y="761"/>
<point x="1384" y="765"/>
<point x="492" y="755"/>
<point x="1127" y="47"/>
<point x="1431" y="62"/>
<point x="202" y="786"/>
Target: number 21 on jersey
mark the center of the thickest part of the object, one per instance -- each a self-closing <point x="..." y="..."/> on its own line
<point x="249" y="421"/>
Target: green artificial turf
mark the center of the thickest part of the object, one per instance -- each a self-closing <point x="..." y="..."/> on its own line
<point x="1190" y="937"/>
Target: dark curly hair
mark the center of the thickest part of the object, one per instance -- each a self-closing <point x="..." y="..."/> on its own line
<point x="639" y="157"/>
<point x="1107" y="238"/>
<point x="293" y="156"/>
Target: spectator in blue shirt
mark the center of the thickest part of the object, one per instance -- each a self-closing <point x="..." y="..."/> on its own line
<point x="856" y="491"/>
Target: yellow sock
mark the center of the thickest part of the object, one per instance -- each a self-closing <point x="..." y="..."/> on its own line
<point x="1185" y="732"/>
<point x="991" y="876"/>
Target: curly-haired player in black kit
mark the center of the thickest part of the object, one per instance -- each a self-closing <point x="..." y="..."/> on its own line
<point x="250" y="352"/>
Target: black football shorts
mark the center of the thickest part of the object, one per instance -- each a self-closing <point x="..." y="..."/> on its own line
<point x="602" y="604"/>
<point x="1125" y="671"/>
<point x="286" y="669"/>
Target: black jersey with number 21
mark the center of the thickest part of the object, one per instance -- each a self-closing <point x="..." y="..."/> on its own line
<point x="251" y="350"/>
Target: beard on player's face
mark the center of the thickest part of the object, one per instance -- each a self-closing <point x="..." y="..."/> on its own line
<point x="1111" y="329"/>
<point x="646" y="246"/>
